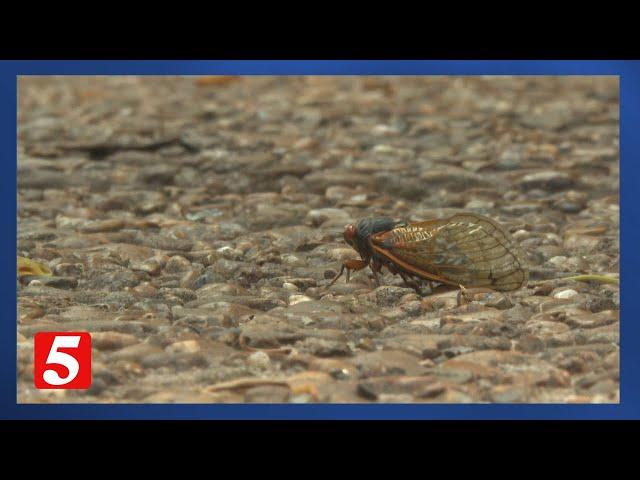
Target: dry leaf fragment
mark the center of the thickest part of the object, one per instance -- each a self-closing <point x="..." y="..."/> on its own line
<point x="26" y="266"/>
<point x="216" y="80"/>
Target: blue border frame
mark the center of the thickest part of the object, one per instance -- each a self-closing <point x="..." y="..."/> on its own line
<point x="629" y="72"/>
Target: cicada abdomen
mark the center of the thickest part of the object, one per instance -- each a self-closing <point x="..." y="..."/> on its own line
<point x="465" y="249"/>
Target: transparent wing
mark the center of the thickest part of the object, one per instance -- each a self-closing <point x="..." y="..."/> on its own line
<point x="467" y="249"/>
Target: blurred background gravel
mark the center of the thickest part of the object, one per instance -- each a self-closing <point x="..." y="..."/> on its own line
<point x="192" y="225"/>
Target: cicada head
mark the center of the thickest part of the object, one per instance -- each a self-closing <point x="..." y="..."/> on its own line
<point x="350" y="234"/>
<point x="357" y="236"/>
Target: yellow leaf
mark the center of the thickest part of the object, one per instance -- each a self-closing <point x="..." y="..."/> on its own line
<point x="26" y="266"/>
<point x="594" y="278"/>
<point x="216" y="80"/>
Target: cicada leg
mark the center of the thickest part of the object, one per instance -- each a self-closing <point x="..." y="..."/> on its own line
<point x="462" y="293"/>
<point x="376" y="267"/>
<point x="467" y="294"/>
<point x="349" y="265"/>
<point x="410" y="283"/>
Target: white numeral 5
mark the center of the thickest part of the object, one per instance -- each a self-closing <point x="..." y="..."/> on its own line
<point x="64" y="359"/>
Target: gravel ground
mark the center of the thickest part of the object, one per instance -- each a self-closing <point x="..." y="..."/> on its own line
<point x="192" y="226"/>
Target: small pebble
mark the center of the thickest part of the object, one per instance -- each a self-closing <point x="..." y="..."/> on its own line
<point x="259" y="360"/>
<point x="177" y="264"/>
<point x="565" y="294"/>
<point x="295" y="299"/>
<point x="185" y="346"/>
<point x="290" y="286"/>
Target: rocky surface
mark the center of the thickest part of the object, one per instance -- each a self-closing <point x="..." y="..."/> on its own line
<point x="192" y="226"/>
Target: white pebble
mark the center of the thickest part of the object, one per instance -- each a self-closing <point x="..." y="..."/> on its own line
<point x="382" y="149"/>
<point x="340" y="254"/>
<point x="68" y="222"/>
<point x="259" y="360"/>
<point x="288" y="258"/>
<point x="558" y="260"/>
<point x="293" y="299"/>
<point x="384" y="130"/>
<point x="290" y="286"/>
<point x="185" y="346"/>
<point x="321" y="215"/>
<point x="553" y="239"/>
<point x="304" y="398"/>
<point x="566" y="294"/>
<point x="306" y="321"/>
<point x="521" y="234"/>
<point x="361" y="197"/>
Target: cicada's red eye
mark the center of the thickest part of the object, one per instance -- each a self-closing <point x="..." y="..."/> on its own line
<point x="350" y="233"/>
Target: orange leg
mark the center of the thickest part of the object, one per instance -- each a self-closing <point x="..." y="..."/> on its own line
<point x="466" y="295"/>
<point x="349" y="265"/>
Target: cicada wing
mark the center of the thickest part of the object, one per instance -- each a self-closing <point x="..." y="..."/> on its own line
<point x="467" y="249"/>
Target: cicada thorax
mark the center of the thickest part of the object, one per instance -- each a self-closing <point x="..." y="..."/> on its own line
<point x="465" y="249"/>
<point x="367" y="227"/>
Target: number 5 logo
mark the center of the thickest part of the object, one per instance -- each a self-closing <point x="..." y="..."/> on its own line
<point x="62" y="360"/>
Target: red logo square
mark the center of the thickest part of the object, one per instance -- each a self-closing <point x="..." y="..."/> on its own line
<point x="62" y="360"/>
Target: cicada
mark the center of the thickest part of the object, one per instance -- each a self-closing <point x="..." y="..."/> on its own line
<point x="464" y="250"/>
